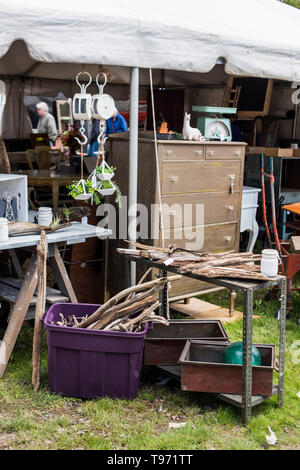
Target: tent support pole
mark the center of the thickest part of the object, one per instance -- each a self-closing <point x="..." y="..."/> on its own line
<point x="133" y="163"/>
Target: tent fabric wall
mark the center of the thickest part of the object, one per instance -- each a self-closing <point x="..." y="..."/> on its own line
<point x="255" y="38"/>
<point x="15" y="119"/>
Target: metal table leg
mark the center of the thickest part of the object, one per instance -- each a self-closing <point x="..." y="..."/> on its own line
<point x="163" y="296"/>
<point x="127" y="273"/>
<point x="247" y="355"/>
<point x="283" y="302"/>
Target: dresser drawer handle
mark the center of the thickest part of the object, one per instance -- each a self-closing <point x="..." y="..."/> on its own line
<point x="199" y="152"/>
<point x="228" y="238"/>
<point x="230" y="208"/>
<point x="174" y="178"/>
<point x="211" y="152"/>
<point x="169" y="152"/>
<point x="232" y="177"/>
<point x="238" y="152"/>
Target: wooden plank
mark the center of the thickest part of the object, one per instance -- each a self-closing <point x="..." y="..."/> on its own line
<point x="52" y="295"/>
<point x="39" y="310"/>
<point x="255" y="150"/>
<point x="18" y="314"/>
<point x="278" y="152"/>
<point x="16" y="264"/>
<point x="10" y="294"/>
<point x="195" y="306"/>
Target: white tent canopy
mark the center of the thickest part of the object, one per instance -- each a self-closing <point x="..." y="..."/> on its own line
<point x="255" y="38"/>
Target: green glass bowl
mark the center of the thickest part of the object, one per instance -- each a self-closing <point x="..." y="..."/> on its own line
<point x="233" y="354"/>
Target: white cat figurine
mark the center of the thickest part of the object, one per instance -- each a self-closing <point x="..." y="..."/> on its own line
<point x="188" y="132"/>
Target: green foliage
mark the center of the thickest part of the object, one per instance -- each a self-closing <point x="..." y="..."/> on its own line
<point x="67" y="213"/>
<point x="106" y="170"/>
<point x="293" y="3"/>
<point x="75" y="189"/>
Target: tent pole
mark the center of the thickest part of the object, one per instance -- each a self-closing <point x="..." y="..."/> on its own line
<point x="133" y="163"/>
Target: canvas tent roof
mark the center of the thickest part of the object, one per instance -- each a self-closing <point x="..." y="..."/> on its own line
<point x="255" y="38"/>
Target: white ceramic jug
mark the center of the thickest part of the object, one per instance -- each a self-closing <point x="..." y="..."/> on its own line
<point x="45" y="216"/>
<point x="269" y="262"/>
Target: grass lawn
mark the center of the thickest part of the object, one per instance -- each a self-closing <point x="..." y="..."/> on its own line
<point x="40" y="420"/>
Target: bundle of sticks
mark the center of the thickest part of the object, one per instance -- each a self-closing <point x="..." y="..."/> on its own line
<point x="127" y="311"/>
<point x="233" y="265"/>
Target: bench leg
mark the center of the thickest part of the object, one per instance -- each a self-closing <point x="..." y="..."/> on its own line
<point x="60" y="273"/>
<point x="18" y="314"/>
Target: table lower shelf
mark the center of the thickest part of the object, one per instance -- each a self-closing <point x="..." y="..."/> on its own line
<point x="235" y="400"/>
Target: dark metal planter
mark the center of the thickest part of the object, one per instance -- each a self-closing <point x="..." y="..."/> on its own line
<point x="164" y="344"/>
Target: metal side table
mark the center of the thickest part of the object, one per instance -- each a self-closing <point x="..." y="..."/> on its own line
<point x="245" y="401"/>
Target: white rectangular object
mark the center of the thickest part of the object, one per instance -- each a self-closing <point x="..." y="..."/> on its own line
<point x="16" y="184"/>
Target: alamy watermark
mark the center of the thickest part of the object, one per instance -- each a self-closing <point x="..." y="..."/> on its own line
<point x="169" y="221"/>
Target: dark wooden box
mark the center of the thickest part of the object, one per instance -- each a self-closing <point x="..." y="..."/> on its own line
<point x="202" y="370"/>
<point x="164" y="344"/>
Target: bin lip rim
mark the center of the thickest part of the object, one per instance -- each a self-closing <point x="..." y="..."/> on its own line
<point x="49" y="326"/>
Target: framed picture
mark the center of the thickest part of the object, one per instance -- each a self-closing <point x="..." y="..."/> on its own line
<point x="64" y="114"/>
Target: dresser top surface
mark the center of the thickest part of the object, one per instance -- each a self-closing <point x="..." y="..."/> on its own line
<point x="125" y="137"/>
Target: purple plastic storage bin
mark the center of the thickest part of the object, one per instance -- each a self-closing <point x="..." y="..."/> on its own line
<point x="91" y="363"/>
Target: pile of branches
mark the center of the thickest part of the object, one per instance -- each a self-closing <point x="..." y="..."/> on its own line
<point x="222" y="265"/>
<point x="127" y="311"/>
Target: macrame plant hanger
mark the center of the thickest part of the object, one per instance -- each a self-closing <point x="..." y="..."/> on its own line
<point x="103" y="107"/>
<point x="82" y="111"/>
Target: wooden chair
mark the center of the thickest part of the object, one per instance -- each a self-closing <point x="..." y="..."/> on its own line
<point x="4" y="160"/>
<point x="43" y="157"/>
<point x="31" y="158"/>
<point x="47" y="157"/>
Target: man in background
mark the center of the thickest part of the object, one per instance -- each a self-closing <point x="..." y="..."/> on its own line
<point x="116" y="123"/>
<point x="46" y="124"/>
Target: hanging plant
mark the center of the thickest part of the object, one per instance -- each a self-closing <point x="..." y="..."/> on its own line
<point x="104" y="172"/>
<point x="84" y="190"/>
<point x="106" y="188"/>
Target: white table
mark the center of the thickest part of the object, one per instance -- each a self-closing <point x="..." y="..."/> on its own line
<point x="77" y="233"/>
<point x="248" y="215"/>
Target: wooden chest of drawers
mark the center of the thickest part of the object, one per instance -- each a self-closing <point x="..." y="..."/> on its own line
<point x="201" y="192"/>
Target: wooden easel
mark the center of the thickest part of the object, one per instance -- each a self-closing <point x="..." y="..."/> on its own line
<point x="25" y="296"/>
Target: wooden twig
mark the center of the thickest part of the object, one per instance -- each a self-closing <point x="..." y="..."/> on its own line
<point x="128" y="306"/>
<point x="141" y="280"/>
<point x="127" y="311"/>
<point x="231" y="272"/>
<point x="114" y="300"/>
<point x="39" y="310"/>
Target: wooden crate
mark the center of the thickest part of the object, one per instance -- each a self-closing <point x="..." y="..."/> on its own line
<point x="164" y="344"/>
<point x="203" y="371"/>
<point x="278" y="152"/>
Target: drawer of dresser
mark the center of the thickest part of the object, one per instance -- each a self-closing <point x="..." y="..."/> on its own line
<point x="214" y="238"/>
<point x="182" y="152"/>
<point x="200" y="209"/>
<point x="191" y="177"/>
<point x="220" y="152"/>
